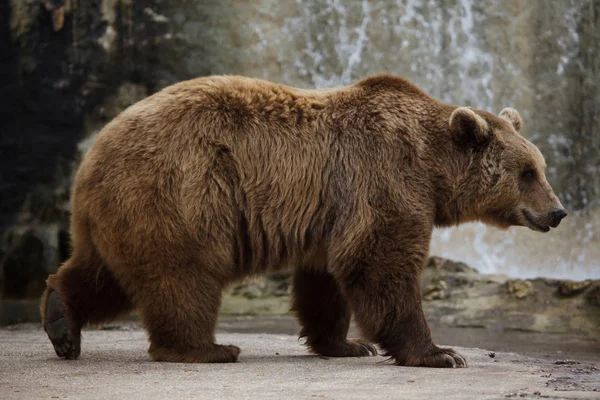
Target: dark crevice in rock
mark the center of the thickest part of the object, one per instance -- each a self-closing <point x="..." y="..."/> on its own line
<point x="24" y="273"/>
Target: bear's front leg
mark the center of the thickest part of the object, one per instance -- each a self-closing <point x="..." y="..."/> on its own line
<point x="380" y="278"/>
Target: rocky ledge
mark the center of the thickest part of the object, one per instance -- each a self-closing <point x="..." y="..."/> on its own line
<point x="455" y="294"/>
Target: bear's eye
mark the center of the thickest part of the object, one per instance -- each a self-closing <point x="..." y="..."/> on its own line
<point x="529" y="175"/>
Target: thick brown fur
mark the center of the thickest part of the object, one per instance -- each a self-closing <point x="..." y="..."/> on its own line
<point x="215" y="179"/>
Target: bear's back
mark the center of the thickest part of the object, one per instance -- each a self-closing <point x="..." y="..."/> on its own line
<point x="240" y="146"/>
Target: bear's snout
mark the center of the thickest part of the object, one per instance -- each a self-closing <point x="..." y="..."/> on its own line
<point x="544" y="222"/>
<point x="557" y="216"/>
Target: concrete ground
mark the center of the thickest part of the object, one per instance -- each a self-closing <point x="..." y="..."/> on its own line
<point x="114" y="365"/>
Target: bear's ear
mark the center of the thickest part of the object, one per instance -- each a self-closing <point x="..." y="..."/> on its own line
<point x="469" y="128"/>
<point x="512" y="116"/>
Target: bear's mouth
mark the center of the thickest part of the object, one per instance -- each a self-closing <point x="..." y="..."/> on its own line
<point x="533" y="223"/>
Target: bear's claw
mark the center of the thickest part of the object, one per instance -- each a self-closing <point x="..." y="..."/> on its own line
<point x="347" y="348"/>
<point x="460" y="361"/>
<point x="439" y="358"/>
<point x="368" y="349"/>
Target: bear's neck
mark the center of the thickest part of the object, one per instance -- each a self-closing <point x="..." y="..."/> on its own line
<point x="450" y="168"/>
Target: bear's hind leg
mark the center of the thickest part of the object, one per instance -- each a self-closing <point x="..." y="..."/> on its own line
<point x="82" y="291"/>
<point x="324" y="315"/>
<point x="179" y="308"/>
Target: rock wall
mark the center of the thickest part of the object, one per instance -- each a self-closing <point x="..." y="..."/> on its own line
<point x="66" y="68"/>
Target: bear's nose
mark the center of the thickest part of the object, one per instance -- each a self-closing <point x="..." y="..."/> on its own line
<point x="557" y="216"/>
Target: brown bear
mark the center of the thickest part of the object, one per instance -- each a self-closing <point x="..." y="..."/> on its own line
<point x="219" y="178"/>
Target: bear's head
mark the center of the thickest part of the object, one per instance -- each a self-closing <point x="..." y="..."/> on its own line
<point x="507" y="172"/>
